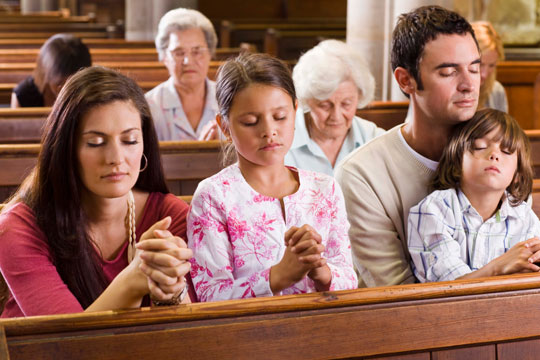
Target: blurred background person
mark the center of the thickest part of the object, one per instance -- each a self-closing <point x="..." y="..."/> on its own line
<point x="332" y="80"/>
<point x="61" y="56"/>
<point x="186" y="102"/>
<point x="492" y="94"/>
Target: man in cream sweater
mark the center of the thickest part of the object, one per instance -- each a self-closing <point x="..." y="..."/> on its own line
<point x="436" y="63"/>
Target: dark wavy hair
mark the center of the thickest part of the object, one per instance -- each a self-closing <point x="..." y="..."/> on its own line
<point x="513" y="139"/>
<point x="418" y="27"/>
<point x="54" y="188"/>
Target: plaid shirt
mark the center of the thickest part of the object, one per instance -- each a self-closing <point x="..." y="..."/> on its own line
<point x="447" y="238"/>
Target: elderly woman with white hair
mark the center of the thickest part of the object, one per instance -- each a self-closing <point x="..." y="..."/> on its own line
<point x="184" y="106"/>
<point x="332" y="80"/>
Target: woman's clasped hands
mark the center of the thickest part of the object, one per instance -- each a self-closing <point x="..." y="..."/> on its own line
<point x="164" y="260"/>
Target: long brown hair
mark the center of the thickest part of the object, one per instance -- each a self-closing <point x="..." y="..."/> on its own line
<point x="512" y="139"/>
<point x="53" y="190"/>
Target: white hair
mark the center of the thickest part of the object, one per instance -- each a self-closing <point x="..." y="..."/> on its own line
<point x="183" y="19"/>
<point x="322" y="69"/>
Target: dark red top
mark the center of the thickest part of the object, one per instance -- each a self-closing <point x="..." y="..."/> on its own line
<point x="26" y="264"/>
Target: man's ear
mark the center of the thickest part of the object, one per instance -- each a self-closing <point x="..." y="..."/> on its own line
<point x="405" y="81"/>
<point x="223" y="126"/>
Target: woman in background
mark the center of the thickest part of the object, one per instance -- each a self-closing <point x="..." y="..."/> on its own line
<point x="332" y="81"/>
<point x="61" y="56"/>
<point x="183" y="105"/>
<point x="492" y="94"/>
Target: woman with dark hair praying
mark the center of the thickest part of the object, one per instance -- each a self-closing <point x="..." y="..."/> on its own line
<point x="94" y="227"/>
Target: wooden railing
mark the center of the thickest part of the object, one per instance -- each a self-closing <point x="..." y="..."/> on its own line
<point x="185" y="163"/>
<point x="490" y="318"/>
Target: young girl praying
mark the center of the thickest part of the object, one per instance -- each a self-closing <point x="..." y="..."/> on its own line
<point x="477" y="223"/>
<point x="259" y="228"/>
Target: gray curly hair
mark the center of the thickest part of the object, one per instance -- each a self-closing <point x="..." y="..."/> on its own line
<point x="323" y="68"/>
<point x="183" y="19"/>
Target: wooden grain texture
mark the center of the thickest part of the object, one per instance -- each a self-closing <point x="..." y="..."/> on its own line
<point x="4" y="351"/>
<point x="154" y="71"/>
<point x="183" y="162"/>
<point x="236" y="308"/>
<point x="485" y="352"/>
<point x="417" y="356"/>
<point x="522" y="350"/>
<point x="318" y="333"/>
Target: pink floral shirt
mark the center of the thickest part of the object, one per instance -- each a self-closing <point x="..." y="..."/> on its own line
<point x="237" y="234"/>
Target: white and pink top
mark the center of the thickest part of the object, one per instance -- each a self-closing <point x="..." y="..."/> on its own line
<point x="237" y="234"/>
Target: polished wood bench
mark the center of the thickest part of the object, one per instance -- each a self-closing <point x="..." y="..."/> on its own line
<point x="138" y="70"/>
<point x="185" y="163"/>
<point x="35" y="43"/>
<point x="115" y="55"/>
<point x="232" y="33"/>
<point x="24" y="125"/>
<point x="291" y="44"/>
<point x="490" y="318"/>
<point x="386" y="114"/>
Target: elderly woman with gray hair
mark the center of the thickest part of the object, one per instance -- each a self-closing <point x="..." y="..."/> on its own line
<point x="185" y="104"/>
<point x="332" y="80"/>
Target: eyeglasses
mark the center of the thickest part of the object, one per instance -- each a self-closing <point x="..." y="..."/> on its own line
<point x="196" y="53"/>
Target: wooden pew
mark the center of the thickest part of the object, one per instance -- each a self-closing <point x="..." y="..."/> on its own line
<point x="24" y="125"/>
<point x="153" y="71"/>
<point x="518" y="79"/>
<point x="235" y="33"/>
<point x="35" y="43"/>
<point x="490" y="318"/>
<point x="114" y="55"/>
<point x="386" y="114"/>
<point x="186" y="163"/>
<point x="53" y="27"/>
<point x="290" y="44"/>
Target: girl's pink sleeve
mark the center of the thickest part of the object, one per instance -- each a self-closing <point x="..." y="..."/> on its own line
<point x="338" y="249"/>
<point x="213" y="259"/>
<point x="28" y="269"/>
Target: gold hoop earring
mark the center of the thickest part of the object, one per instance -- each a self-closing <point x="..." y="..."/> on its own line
<point x="145" y="163"/>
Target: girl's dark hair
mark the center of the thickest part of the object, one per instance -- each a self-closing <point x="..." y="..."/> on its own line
<point x="61" y="56"/>
<point x="237" y="74"/>
<point x="512" y="139"/>
<point x="53" y="190"/>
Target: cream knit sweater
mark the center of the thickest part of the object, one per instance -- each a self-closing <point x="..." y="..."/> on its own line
<point x="381" y="181"/>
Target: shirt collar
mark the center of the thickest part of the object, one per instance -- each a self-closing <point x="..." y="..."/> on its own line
<point x="301" y="134"/>
<point x="504" y="211"/>
<point x="211" y="101"/>
<point x="172" y="100"/>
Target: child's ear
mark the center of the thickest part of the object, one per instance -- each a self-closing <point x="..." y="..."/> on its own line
<point x="223" y="126"/>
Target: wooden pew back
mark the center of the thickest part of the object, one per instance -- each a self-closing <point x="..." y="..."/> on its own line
<point x="290" y="44"/>
<point x="473" y="319"/>
<point x="185" y="163"/>
<point x="235" y="33"/>
<point x="153" y="71"/>
<point x="113" y="55"/>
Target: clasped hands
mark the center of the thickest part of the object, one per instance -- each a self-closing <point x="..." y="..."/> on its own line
<point x="164" y="260"/>
<point x="522" y="257"/>
<point x="302" y="257"/>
